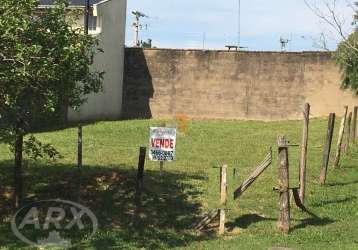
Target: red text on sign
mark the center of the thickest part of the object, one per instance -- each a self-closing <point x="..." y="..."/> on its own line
<point x="163" y="143"/>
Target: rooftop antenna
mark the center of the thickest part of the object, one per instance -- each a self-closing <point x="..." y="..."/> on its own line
<point x="284" y="43"/>
<point x="137" y="26"/>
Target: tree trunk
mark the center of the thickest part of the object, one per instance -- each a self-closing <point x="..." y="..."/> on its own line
<point x="18" y="170"/>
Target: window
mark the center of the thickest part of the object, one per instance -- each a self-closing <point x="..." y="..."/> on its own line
<point x="92" y="23"/>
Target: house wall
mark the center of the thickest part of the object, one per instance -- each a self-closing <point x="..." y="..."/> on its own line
<point x="161" y="83"/>
<point x="108" y="104"/>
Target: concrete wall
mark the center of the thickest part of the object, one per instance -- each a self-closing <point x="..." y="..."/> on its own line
<point x="107" y="105"/>
<point x="230" y="85"/>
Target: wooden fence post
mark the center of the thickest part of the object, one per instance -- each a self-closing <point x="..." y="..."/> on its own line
<point x="327" y="148"/>
<point x="222" y="221"/>
<point x="303" y="159"/>
<point x="18" y="171"/>
<point x="223" y="191"/>
<point x="139" y="184"/>
<point x="79" y="147"/>
<point x="340" y="138"/>
<point x="141" y="162"/>
<point x="348" y="132"/>
<point x="161" y="167"/>
<point x="161" y="163"/>
<point x="354" y="124"/>
<point x="283" y="223"/>
<point x="79" y="161"/>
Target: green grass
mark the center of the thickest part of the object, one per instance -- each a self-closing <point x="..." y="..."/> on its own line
<point x="172" y="204"/>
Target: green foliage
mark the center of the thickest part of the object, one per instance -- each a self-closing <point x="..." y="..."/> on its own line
<point x="35" y="149"/>
<point x="44" y="64"/>
<point x="347" y="58"/>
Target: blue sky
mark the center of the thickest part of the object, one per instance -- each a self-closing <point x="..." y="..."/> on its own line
<point x="187" y="23"/>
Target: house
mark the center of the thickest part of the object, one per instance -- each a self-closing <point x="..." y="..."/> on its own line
<point x="107" y="21"/>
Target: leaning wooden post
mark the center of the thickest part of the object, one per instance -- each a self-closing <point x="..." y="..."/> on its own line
<point x="283" y="223"/>
<point x="253" y="177"/>
<point x="303" y="158"/>
<point x="139" y="184"/>
<point x="348" y="132"/>
<point x="340" y="138"/>
<point x="354" y="124"/>
<point x="223" y="191"/>
<point x="327" y="148"/>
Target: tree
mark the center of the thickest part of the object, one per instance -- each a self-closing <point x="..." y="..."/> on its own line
<point x="45" y="65"/>
<point x="346" y="54"/>
<point x="347" y="58"/>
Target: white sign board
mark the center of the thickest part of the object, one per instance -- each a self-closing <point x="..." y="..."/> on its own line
<point x="162" y="144"/>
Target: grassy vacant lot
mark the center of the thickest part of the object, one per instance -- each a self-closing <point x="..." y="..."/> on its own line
<point x="189" y="188"/>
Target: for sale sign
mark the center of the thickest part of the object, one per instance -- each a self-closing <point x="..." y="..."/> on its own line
<point x="162" y="144"/>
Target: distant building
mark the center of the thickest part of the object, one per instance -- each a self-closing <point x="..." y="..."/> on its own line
<point x="107" y="21"/>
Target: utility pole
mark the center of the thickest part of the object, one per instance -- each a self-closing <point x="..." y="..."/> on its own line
<point x="137" y="26"/>
<point x="204" y="40"/>
<point x="239" y="26"/>
<point x="87" y="13"/>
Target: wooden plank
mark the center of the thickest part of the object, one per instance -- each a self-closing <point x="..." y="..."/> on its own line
<point x="327" y="148"/>
<point x="348" y="132"/>
<point x="354" y="124"/>
<point x="304" y="145"/>
<point x="340" y="139"/>
<point x="207" y="219"/>
<point x="283" y="223"/>
<point x="258" y="171"/>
